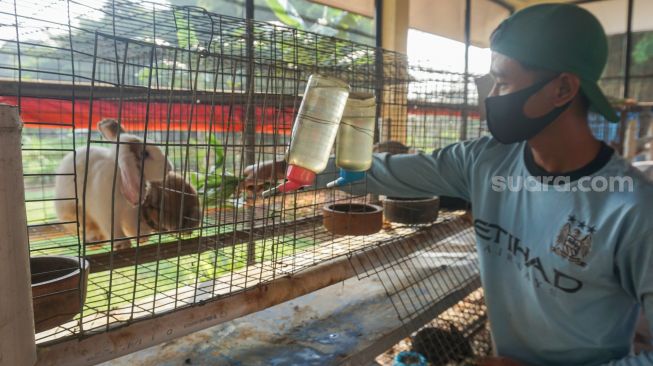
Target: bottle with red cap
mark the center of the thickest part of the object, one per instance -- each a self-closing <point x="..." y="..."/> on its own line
<point x="314" y="131"/>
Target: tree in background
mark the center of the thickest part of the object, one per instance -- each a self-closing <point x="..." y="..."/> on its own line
<point x="317" y="18"/>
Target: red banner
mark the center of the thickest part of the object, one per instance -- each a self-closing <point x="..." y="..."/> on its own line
<point x="55" y="113"/>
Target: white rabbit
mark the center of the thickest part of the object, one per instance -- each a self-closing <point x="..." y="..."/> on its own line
<point x="133" y="161"/>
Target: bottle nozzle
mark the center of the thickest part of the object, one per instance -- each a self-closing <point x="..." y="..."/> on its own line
<point x="297" y="176"/>
<point x="346" y="177"/>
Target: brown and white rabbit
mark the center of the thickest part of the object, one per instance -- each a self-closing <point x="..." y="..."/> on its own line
<point x="171" y="205"/>
<point x="134" y="159"/>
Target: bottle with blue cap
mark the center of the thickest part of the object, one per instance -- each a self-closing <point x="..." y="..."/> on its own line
<point x="355" y="140"/>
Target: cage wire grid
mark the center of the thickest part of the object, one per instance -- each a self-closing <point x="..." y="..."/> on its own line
<point x="435" y="292"/>
<point x="215" y="94"/>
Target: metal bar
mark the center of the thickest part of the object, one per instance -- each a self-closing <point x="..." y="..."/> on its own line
<point x="18" y="53"/>
<point x="53" y="90"/>
<point x="378" y="68"/>
<point x="629" y="45"/>
<point x="47" y="174"/>
<point x="49" y="124"/>
<point x="52" y="199"/>
<point x="59" y="91"/>
<point x="504" y="5"/>
<point x="48" y="224"/>
<point x="40" y="149"/>
<point x="577" y="2"/>
<point x="127" y="339"/>
<point x="249" y="133"/>
<point x="378" y="22"/>
<point x="468" y="20"/>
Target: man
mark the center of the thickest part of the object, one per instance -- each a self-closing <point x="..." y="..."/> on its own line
<point x="565" y="262"/>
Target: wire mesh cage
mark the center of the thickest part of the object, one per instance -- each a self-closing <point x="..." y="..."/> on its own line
<point x="191" y="98"/>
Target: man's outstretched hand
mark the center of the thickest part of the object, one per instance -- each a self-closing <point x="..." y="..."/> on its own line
<point x="257" y="176"/>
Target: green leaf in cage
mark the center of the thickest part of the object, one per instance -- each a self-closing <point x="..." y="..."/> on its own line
<point x="218" y="151"/>
<point x="219" y="188"/>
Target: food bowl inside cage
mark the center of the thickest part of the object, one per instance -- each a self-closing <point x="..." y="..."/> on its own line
<point x="352" y="218"/>
<point x="411" y="211"/>
<point x="58" y="289"/>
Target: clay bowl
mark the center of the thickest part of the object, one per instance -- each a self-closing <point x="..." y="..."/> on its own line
<point x="411" y="211"/>
<point x="57" y="283"/>
<point x="352" y="218"/>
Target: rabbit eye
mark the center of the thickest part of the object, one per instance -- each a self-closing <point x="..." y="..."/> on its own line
<point x="146" y="154"/>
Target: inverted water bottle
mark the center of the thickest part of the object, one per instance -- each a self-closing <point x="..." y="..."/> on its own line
<point x="355" y="140"/>
<point x="314" y="131"/>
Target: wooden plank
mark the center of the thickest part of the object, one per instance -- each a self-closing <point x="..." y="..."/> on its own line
<point x="142" y="334"/>
<point x="16" y="314"/>
<point x="54" y="90"/>
<point x="82" y="91"/>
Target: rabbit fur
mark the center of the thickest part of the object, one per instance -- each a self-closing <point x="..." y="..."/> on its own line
<point x="172" y="205"/>
<point x="134" y="159"/>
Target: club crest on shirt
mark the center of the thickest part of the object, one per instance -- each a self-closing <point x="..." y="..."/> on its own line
<point x="574" y="241"/>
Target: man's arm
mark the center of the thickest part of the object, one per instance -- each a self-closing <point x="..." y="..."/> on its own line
<point x="444" y="172"/>
<point x="635" y="268"/>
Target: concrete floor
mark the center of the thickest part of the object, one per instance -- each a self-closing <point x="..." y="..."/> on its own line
<point x="347" y="323"/>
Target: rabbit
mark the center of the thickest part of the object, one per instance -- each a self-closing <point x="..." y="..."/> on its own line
<point x="134" y="158"/>
<point x="177" y="201"/>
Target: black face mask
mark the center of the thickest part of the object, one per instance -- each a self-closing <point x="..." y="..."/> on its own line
<point x="507" y="121"/>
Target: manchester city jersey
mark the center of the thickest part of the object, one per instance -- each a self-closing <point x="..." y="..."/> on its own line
<point x="565" y="261"/>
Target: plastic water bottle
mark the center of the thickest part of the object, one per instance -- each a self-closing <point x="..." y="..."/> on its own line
<point x="355" y="140"/>
<point x="314" y="131"/>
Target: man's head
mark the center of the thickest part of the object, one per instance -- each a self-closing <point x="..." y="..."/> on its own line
<point x="510" y="76"/>
<point x="559" y="52"/>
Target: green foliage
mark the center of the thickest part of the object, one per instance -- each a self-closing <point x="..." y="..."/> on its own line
<point x="643" y="50"/>
<point x="188" y="270"/>
<point x="286" y="13"/>
<point x="217" y="183"/>
<point x="218" y="151"/>
<point x="186" y="36"/>
<point x="324" y="20"/>
<point x="329" y="22"/>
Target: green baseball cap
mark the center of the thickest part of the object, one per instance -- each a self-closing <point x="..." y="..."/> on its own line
<point x="562" y="38"/>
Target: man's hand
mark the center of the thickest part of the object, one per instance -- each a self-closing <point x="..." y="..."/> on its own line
<point x="498" y="361"/>
<point x="258" y="175"/>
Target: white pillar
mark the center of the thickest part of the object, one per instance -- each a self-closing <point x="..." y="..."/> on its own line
<point x="395" y="25"/>
<point x="17" y="345"/>
<point x="630" y="139"/>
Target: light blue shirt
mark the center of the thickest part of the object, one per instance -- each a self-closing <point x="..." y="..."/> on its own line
<point x="564" y="272"/>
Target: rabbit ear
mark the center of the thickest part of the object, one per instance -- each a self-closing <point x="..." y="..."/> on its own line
<point x="109" y="128"/>
<point x="130" y="174"/>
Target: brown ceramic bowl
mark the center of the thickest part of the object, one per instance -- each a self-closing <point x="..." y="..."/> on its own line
<point x="58" y="289"/>
<point x="352" y="218"/>
<point x="411" y="211"/>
